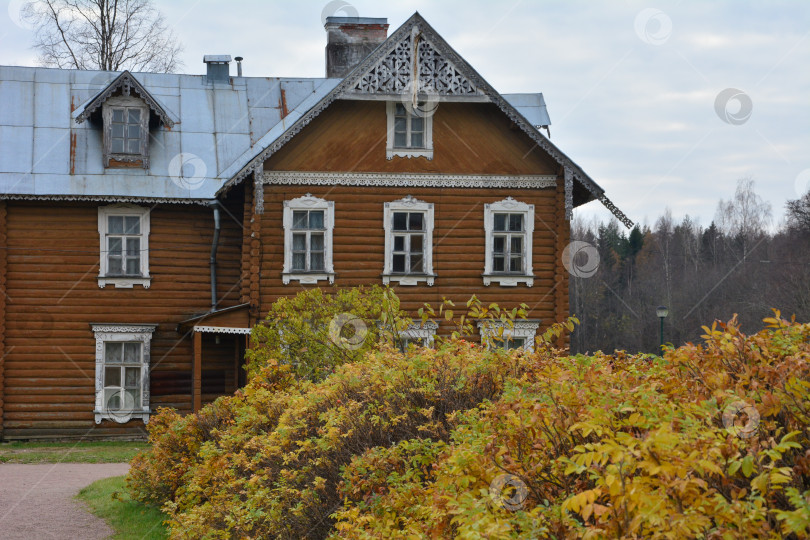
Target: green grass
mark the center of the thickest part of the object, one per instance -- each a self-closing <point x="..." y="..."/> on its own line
<point x="66" y="452"/>
<point x="108" y="499"/>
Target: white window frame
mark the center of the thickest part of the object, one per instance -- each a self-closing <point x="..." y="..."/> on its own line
<point x="425" y="332"/>
<point x="408" y="152"/>
<point x="123" y="282"/>
<point x="408" y="204"/>
<point x="508" y="279"/>
<point x="308" y="202"/>
<point x="523" y="329"/>
<point x="123" y="333"/>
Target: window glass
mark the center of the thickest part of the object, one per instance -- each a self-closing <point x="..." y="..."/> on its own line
<point x="400" y="221"/>
<point x="409" y="129"/>
<point x="316" y="219"/>
<point x="125" y="131"/>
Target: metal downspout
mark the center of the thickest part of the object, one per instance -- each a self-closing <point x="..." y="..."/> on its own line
<point x="213" y="260"/>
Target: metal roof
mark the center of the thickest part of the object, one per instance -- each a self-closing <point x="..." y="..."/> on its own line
<point x="531" y="106"/>
<point x="218" y="128"/>
<point x="44" y="152"/>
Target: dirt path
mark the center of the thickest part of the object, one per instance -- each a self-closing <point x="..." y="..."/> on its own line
<point x="36" y="501"/>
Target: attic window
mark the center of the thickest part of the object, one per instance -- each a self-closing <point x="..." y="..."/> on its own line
<point x="410" y="130"/>
<point x="126" y="132"/>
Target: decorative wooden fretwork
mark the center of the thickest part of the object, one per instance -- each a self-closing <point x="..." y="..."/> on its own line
<point x="394" y="73"/>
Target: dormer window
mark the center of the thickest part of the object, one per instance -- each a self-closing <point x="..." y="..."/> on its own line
<point x="127" y="112"/>
<point x="126" y="132"/>
<point x="410" y="130"/>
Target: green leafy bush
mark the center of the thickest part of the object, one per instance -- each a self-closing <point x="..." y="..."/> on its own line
<point x="314" y="332"/>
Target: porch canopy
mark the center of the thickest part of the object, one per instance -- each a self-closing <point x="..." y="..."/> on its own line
<point x="231" y="320"/>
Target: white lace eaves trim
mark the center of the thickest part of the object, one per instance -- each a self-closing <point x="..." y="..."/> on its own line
<point x="222" y="329"/>
<point x="409" y="180"/>
<point x="102" y="198"/>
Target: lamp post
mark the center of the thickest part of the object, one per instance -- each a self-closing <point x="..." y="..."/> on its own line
<point x="662" y="313"/>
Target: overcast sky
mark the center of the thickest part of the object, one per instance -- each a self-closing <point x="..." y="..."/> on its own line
<point x="631" y="87"/>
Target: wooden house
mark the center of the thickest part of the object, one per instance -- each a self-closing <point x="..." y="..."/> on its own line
<point x="147" y="221"/>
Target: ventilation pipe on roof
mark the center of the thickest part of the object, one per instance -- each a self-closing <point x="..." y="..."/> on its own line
<point x="212" y="261"/>
<point x="349" y="40"/>
<point x="217" y="67"/>
<point x="238" y="66"/>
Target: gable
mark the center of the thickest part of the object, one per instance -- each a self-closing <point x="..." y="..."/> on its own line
<point x="468" y="138"/>
<point x="124" y="85"/>
<point x="414" y="58"/>
<point x="442" y="75"/>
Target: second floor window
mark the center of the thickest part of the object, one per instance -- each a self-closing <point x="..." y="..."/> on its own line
<point x="409" y="242"/>
<point x="408" y="227"/>
<point x="124" y="245"/>
<point x="509" y="226"/>
<point x="308" y="240"/>
<point x="508" y="241"/>
<point x="308" y="223"/>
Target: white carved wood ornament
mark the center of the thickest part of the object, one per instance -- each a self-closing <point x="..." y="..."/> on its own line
<point x="308" y="202"/>
<point x="525" y="329"/>
<point x="123" y="333"/>
<point x="441" y="73"/>
<point x="434" y="73"/>
<point x="408" y="204"/>
<point x="508" y="279"/>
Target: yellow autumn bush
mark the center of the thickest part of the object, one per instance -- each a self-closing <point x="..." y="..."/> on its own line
<point x="711" y="440"/>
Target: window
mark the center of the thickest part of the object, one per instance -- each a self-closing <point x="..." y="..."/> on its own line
<point x="508" y="225"/>
<point x="410" y="130"/>
<point x="408" y="227"/>
<point x="308" y="224"/>
<point x="418" y="335"/>
<point x="124" y="246"/>
<point x="520" y="336"/>
<point x="126" y="132"/>
<point x="122" y="372"/>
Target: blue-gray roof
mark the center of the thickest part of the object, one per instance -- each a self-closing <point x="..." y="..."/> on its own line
<point x="219" y="126"/>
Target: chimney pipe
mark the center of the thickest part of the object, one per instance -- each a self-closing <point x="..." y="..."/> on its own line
<point x="349" y="40"/>
<point x="238" y="66"/>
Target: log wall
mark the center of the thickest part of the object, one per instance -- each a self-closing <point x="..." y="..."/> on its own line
<point x="52" y="296"/>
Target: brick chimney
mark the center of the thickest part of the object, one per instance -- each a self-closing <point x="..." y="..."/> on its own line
<point x="349" y="40"/>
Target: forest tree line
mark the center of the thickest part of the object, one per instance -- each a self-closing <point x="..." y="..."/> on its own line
<point x="740" y="264"/>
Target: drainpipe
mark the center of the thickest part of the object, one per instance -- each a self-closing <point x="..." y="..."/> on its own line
<point x="213" y="260"/>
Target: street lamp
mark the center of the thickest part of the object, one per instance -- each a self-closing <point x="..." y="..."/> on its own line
<point x="662" y="313"/>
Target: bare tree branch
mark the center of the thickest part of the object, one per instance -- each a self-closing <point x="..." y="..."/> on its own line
<point x="110" y="35"/>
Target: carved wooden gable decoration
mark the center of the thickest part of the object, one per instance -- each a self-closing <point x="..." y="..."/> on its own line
<point x="415" y="58"/>
<point x="126" y="85"/>
<point x="416" y="52"/>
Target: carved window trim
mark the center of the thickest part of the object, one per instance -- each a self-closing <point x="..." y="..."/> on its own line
<point x="511" y="279"/>
<point x="408" y="152"/>
<point x="123" y="282"/>
<point x="308" y="202"/>
<point x="522" y="329"/>
<point x="425" y="333"/>
<point x="142" y="156"/>
<point x="123" y="333"/>
<point x="408" y="204"/>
